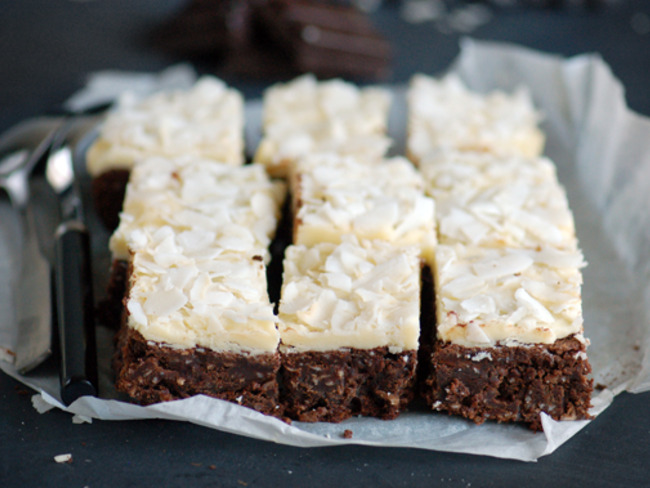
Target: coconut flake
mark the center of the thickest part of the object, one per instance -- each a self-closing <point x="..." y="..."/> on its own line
<point x="560" y="259"/>
<point x="319" y="313"/>
<point x="480" y="304"/>
<point x="475" y="334"/>
<point x="509" y="264"/>
<point x="343" y="315"/>
<point x="378" y="220"/>
<point x="136" y="313"/>
<point x="162" y="303"/>
<point x="539" y="311"/>
<point x="338" y="281"/>
<point x="63" y="458"/>
<point x="463" y="286"/>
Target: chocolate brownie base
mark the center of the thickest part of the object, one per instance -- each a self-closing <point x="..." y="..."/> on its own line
<point x="108" y="195"/>
<point x="335" y="385"/>
<point x="109" y="311"/>
<point x="150" y="372"/>
<point x="510" y="383"/>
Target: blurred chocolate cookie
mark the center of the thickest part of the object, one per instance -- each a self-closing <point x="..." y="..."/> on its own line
<point x="277" y="39"/>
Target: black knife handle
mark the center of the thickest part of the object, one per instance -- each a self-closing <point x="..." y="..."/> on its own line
<point x="75" y="316"/>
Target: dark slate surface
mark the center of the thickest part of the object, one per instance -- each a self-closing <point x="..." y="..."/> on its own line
<point x="47" y="47"/>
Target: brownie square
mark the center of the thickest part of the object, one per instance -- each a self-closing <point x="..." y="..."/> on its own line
<point x="332" y="386"/>
<point x="151" y="372"/>
<point x="510" y="383"/>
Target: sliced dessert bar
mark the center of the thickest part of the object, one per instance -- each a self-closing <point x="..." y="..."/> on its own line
<point x="197" y="321"/>
<point x="444" y="113"/>
<point x="205" y="121"/>
<point x="235" y="208"/>
<point x="238" y="206"/>
<point x="337" y="195"/>
<point x="306" y="116"/>
<point x="508" y="343"/>
<point x="487" y="200"/>
<point x="349" y="328"/>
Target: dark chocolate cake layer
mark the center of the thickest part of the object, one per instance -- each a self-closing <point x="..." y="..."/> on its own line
<point x="150" y="372"/>
<point x="510" y="383"/>
<point x="335" y="385"/>
<point x="111" y="307"/>
<point x="108" y="195"/>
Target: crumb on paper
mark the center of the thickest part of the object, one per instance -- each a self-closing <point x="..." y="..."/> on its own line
<point x="347" y="434"/>
<point x="7" y="355"/>
<point x="63" y="458"/>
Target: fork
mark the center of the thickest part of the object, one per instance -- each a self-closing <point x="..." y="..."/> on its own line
<point x="32" y="291"/>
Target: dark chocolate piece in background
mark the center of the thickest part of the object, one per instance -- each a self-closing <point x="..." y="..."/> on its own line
<point x="206" y="28"/>
<point x="327" y="39"/>
<point x="277" y="39"/>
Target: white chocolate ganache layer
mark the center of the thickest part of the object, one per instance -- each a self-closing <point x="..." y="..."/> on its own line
<point x="350" y="295"/>
<point x="206" y="121"/>
<point x="337" y="195"/>
<point x="487" y="200"/>
<point x="235" y="208"/>
<point x="306" y="116"/>
<point x="187" y="292"/>
<point x="507" y="296"/>
<point x="443" y="113"/>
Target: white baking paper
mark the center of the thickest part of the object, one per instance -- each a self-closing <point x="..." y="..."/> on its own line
<point x="602" y="151"/>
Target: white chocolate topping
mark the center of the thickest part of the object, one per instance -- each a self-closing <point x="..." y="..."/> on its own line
<point x="493" y="201"/>
<point x="338" y="195"/>
<point x="206" y="121"/>
<point x="196" y="295"/>
<point x="445" y="114"/>
<point x="508" y="296"/>
<point x="306" y="116"/>
<point x="350" y="295"/>
<point x="235" y="208"/>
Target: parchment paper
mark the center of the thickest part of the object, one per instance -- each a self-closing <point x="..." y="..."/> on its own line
<point x="602" y="151"/>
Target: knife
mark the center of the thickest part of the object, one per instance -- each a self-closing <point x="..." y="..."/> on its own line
<point x="72" y="279"/>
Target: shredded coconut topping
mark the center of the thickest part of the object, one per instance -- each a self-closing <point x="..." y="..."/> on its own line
<point x="306" y="116"/>
<point x="199" y="295"/>
<point x="492" y="201"/>
<point x="494" y="295"/>
<point x="196" y="233"/>
<point x="443" y="113"/>
<point x="206" y="121"/>
<point x="338" y="196"/>
<point x="361" y="294"/>
<point x="207" y="203"/>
